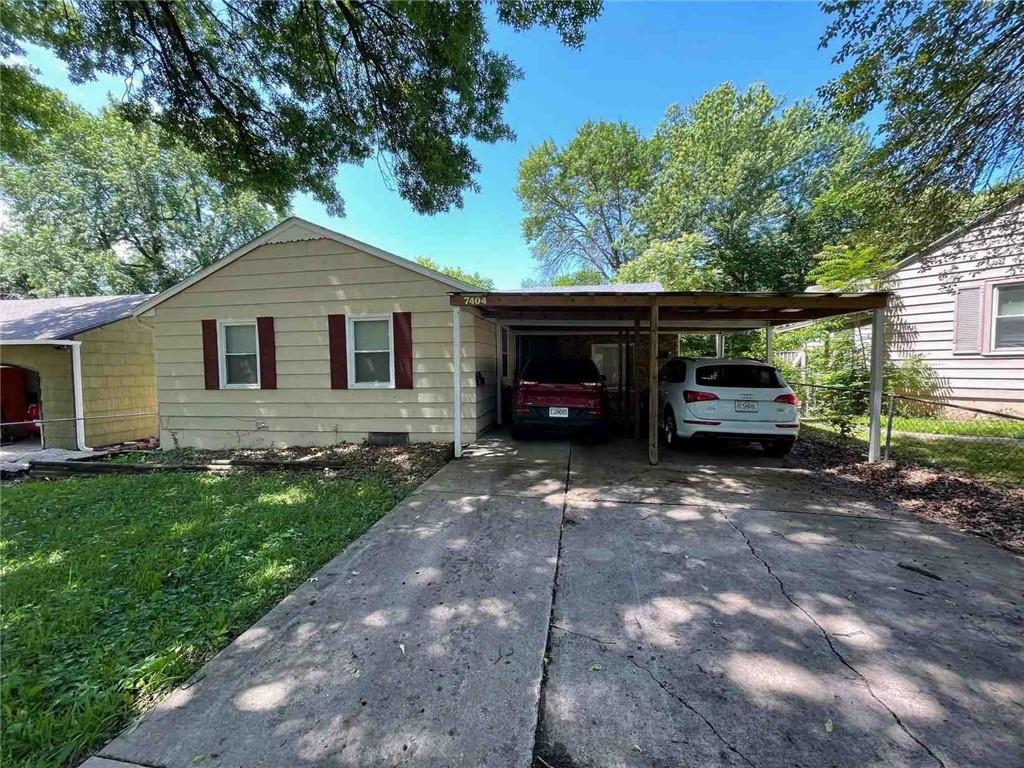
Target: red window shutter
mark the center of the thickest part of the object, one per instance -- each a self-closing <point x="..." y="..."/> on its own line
<point x="268" y="352"/>
<point x="402" y="322"/>
<point x="338" y="350"/>
<point x="211" y="365"/>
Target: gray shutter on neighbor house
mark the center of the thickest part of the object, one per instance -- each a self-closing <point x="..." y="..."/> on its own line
<point x="967" y="323"/>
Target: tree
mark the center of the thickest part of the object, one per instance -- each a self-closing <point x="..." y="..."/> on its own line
<point x="580" y="277"/>
<point x="679" y="265"/>
<point x="949" y="76"/>
<point x="752" y="177"/>
<point x="580" y="200"/>
<point x="884" y="228"/>
<point x="102" y="206"/>
<point x="30" y="110"/>
<point x="277" y="95"/>
<point x="473" y="278"/>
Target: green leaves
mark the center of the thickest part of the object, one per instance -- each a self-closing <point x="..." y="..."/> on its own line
<point x="276" y="96"/>
<point x="473" y="278"/>
<point x="735" y="192"/>
<point x="948" y="76"/>
<point x="102" y="206"/>
<point x="742" y="170"/>
<point x="580" y="200"/>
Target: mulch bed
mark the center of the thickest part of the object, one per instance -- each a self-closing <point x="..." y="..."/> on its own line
<point x="984" y="509"/>
<point x="401" y="464"/>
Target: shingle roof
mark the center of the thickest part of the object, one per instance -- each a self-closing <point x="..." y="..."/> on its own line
<point x="64" y="317"/>
<point x="607" y="288"/>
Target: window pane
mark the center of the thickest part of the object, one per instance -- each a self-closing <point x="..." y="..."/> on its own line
<point x="747" y="376"/>
<point x="371" y="334"/>
<point x="373" y="367"/>
<point x="1010" y="332"/>
<point x="240" y="369"/>
<point x="240" y="338"/>
<point x="1011" y="301"/>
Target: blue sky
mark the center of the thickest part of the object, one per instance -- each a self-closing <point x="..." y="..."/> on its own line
<point x="638" y="59"/>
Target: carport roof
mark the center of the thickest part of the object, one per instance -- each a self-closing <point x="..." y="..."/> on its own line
<point x="608" y="304"/>
<point x="62" y="318"/>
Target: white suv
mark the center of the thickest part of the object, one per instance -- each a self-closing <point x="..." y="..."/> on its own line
<point x="739" y="399"/>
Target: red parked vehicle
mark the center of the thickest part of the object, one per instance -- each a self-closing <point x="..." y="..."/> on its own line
<point x="560" y="394"/>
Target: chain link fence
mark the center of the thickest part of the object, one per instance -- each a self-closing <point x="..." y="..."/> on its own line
<point x="935" y="432"/>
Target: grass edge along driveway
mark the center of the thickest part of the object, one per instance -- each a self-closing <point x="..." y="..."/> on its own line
<point x="116" y="589"/>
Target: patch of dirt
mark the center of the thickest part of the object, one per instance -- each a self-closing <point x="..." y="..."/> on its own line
<point x="962" y="502"/>
<point x="400" y="464"/>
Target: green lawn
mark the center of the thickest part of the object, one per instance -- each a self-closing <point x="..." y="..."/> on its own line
<point x="117" y="588"/>
<point x="972" y="427"/>
<point x="993" y="461"/>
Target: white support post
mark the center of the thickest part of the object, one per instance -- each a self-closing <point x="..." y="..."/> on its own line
<point x="457" y="380"/>
<point x="652" y="383"/>
<point x="877" y="376"/>
<point x="76" y="376"/>
<point x="719" y="345"/>
<point x="769" y="351"/>
<point x="500" y="373"/>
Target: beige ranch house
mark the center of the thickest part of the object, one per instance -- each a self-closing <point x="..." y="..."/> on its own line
<point x="307" y="337"/>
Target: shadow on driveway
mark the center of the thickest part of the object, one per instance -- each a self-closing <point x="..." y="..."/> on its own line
<point x="722" y="609"/>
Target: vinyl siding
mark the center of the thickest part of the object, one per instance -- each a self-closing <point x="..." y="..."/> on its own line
<point x="299" y="284"/>
<point x="923" y="308"/>
<point x="118" y="378"/>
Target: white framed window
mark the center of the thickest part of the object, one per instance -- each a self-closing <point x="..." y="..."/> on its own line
<point x="371" y="352"/>
<point x="239" y="354"/>
<point x="1008" y="317"/>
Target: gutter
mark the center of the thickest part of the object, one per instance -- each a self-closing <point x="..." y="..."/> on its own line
<point x="76" y="378"/>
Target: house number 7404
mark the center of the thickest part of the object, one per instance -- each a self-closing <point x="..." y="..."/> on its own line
<point x="475" y="299"/>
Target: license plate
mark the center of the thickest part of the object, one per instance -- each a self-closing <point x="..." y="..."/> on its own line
<point x="746" y="406"/>
<point x="558" y="413"/>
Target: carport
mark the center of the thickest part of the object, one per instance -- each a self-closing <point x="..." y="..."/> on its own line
<point x="630" y="313"/>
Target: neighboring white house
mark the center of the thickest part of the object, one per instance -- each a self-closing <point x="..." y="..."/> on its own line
<point x="959" y="305"/>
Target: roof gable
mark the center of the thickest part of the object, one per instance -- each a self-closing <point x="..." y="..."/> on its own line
<point x="949" y="237"/>
<point x="296" y="229"/>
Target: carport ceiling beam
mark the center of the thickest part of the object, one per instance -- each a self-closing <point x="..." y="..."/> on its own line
<point x="835" y="303"/>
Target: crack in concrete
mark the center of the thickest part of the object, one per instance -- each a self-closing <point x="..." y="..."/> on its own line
<point x="538" y="727"/>
<point x="831" y="646"/>
<point x="122" y="761"/>
<point x="664" y="686"/>
<point x="690" y="708"/>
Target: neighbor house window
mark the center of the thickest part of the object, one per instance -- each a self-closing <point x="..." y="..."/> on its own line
<point x="239" y="357"/>
<point x="1008" y="317"/>
<point x="371" y="353"/>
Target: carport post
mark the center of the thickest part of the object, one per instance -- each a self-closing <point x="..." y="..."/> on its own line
<point x="719" y="344"/>
<point x="769" y="351"/>
<point x="76" y="377"/>
<point x="457" y="380"/>
<point x="877" y="372"/>
<point x="652" y="383"/>
<point x="636" y="378"/>
<point x="499" y="373"/>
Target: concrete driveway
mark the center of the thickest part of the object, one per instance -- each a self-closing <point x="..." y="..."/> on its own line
<point x="567" y="606"/>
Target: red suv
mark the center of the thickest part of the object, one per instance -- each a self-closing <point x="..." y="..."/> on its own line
<point x="560" y="394"/>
